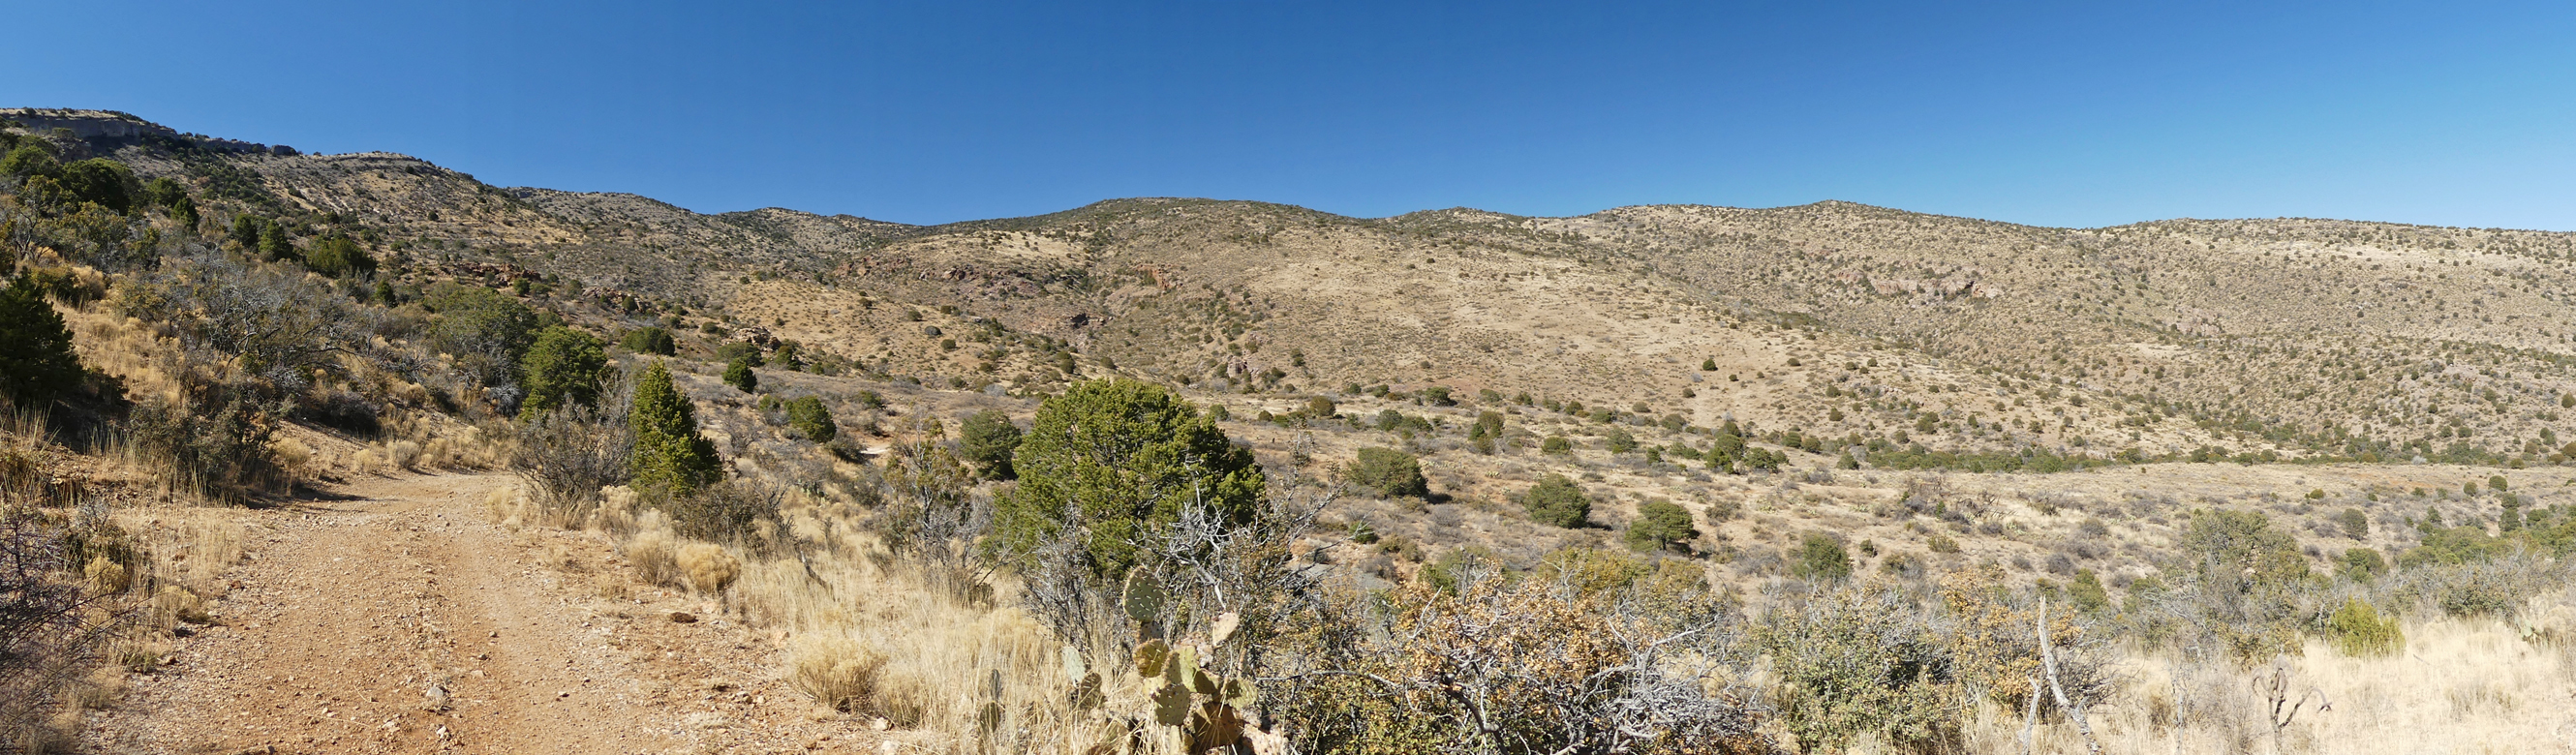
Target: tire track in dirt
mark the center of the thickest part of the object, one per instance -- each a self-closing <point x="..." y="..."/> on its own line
<point x="397" y="619"/>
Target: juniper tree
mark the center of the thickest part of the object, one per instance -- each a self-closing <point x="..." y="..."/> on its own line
<point x="670" y="454"/>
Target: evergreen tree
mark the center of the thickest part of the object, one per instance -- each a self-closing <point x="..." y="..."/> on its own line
<point x="36" y="359"/>
<point x="811" y="419"/>
<point x="1119" y="459"/>
<point x="989" y="439"/>
<point x="563" y="368"/>
<point x="669" y="452"/>
<point x="1556" y="500"/>
<point x="739" y="375"/>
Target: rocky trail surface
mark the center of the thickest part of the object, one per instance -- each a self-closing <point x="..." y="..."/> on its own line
<point x="396" y="618"/>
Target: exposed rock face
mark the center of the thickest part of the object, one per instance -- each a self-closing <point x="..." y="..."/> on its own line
<point x="89" y="125"/>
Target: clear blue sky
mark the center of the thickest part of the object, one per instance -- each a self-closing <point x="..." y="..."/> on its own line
<point x="2057" y="113"/>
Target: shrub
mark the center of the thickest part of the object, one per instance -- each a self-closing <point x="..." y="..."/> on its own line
<point x="36" y="358"/>
<point x="811" y="419"/>
<point x="564" y="368"/>
<point x="1940" y="543"/>
<point x="838" y="671"/>
<point x="2357" y="630"/>
<point x="486" y="330"/>
<point x="1557" y="501"/>
<point x="101" y="180"/>
<point x="1556" y="444"/>
<point x="1821" y="558"/>
<point x="740" y="351"/>
<point x="1320" y="407"/>
<point x="1389" y="472"/>
<point x="725" y="511"/>
<point x="1118" y="460"/>
<point x="649" y="340"/>
<point x="566" y="457"/>
<point x="1619" y="441"/>
<point x="1851" y="662"/>
<point x="1661" y="524"/>
<point x="669" y="453"/>
<point x="338" y="256"/>
<point x="2355" y="524"/>
<point x="988" y="438"/>
<point x="739" y="375"/>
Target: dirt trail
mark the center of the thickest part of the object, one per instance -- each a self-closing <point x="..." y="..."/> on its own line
<point x="398" y="619"/>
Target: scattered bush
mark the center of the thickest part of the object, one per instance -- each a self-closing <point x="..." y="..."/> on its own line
<point x="810" y="418"/>
<point x="1556" y="445"/>
<point x="36" y="358"/>
<point x="564" y="368"/>
<point x="1661" y="524"/>
<point x="1118" y="460"/>
<point x="1821" y="558"/>
<point x="989" y="439"/>
<point x="2357" y="630"/>
<point x="1557" y="501"/>
<point x="1389" y="472"/>
<point x="739" y="375"/>
<point x="649" y="340"/>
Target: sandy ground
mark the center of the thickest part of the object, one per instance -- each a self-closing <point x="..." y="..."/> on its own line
<point x="396" y="618"/>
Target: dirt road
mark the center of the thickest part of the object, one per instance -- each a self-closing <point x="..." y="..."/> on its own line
<point x="399" y="619"/>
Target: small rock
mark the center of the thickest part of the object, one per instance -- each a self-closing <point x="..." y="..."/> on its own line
<point x="682" y="617"/>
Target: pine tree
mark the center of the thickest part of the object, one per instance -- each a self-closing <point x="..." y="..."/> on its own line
<point x="669" y="452"/>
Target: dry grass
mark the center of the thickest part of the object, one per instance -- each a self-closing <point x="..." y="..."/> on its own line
<point x="2460" y="686"/>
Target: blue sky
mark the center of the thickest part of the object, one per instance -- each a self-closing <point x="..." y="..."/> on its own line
<point x="2055" y="113"/>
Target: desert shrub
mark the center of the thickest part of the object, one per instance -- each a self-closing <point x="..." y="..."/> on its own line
<point x="566" y="456"/>
<point x="988" y="438"/>
<point x="1853" y="662"/>
<point x="838" y="671"/>
<point x="1557" y="501"/>
<point x="1500" y="665"/>
<point x="812" y="419"/>
<point x="649" y="340"/>
<point x="1320" y="407"/>
<point x="738" y="374"/>
<point x="1943" y="544"/>
<point x="2357" y="630"/>
<point x="106" y="182"/>
<point x="485" y="330"/>
<point x="1821" y="558"/>
<point x="338" y="256"/>
<point x="1118" y="461"/>
<point x="564" y="368"/>
<point x="36" y="358"/>
<point x="1619" y="441"/>
<point x="725" y="511"/>
<point x="1454" y="568"/>
<point x="2361" y="565"/>
<point x="1389" y="472"/>
<point x="281" y="326"/>
<point x="740" y="351"/>
<point x="50" y="628"/>
<point x="1556" y="444"/>
<point x="2355" y="524"/>
<point x="1661" y="524"/>
<point x="707" y="567"/>
<point x="669" y="453"/>
<point x="215" y="439"/>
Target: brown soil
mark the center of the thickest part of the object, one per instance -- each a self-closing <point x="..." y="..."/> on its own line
<point x="398" y="618"/>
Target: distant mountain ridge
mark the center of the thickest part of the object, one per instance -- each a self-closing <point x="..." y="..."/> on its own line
<point x="2298" y="337"/>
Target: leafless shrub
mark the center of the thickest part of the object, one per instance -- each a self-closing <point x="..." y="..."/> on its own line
<point x="567" y="456"/>
<point x="50" y="629"/>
